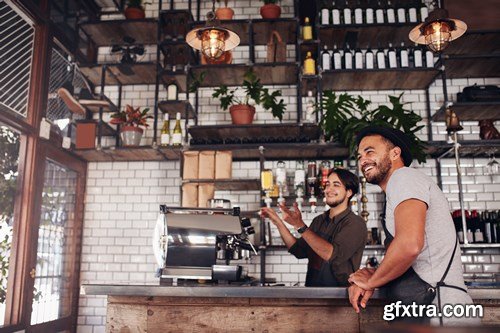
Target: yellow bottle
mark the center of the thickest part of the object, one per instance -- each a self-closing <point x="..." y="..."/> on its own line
<point x="309" y="65"/>
<point x="177" y="133"/>
<point x="165" y="132"/>
<point x="307" y="32"/>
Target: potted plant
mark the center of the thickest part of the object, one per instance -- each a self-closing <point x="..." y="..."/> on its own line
<point x="130" y="120"/>
<point x="270" y="10"/>
<point x="224" y="13"/>
<point x="345" y="115"/>
<point x="243" y="109"/>
<point x="134" y="10"/>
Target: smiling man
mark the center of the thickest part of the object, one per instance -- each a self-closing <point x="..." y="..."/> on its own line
<point x="421" y="243"/>
<point x="335" y="241"/>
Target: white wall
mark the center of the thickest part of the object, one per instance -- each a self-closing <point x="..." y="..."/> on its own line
<point x="123" y="198"/>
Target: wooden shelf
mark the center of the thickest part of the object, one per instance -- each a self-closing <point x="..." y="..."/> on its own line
<point x="141" y="153"/>
<point x="172" y="107"/>
<point x="174" y="24"/>
<point x="281" y="151"/>
<point x="126" y="74"/>
<point x="470" y="148"/>
<point x="258" y="133"/>
<point x="475" y="42"/>
<point x="365" y="34"/>
<point x="232" y="75"/>
<point x="471" y="111"/>
<point x="113" y="32"/>
<point x="466" y="66"/>
<point x="375" y="79"/>
<point x="230" y="184"/>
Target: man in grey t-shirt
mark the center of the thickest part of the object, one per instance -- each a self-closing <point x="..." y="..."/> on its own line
<point x="417" y="215"/>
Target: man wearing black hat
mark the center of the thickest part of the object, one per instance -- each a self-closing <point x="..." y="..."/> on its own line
<point x="421" y="246"/>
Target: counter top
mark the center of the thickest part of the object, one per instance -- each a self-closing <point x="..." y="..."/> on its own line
<point x="245" y="291"/>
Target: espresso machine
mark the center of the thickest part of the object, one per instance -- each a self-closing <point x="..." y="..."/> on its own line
<point x="198" y="243"/>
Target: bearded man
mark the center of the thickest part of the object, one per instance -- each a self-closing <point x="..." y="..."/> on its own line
<point x="335" y="241"/>
<point x="421" y="242"/>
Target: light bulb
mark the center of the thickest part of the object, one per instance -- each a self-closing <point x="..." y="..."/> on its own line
<point x="437" y="35"/>
<point x="213" y="43"/>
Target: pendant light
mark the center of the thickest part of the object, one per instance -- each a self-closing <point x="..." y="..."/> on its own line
<point x="212" y="40"/>
<point x="438" y="30"/>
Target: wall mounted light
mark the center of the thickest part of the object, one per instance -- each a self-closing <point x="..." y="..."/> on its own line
<point x="212" y="39"/>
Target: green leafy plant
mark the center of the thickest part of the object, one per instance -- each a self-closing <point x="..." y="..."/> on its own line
<point x="196" y="81"/>
<point x="345" y="115"/>
<point x="254" y="90"/>
<point x="131" y="117"/>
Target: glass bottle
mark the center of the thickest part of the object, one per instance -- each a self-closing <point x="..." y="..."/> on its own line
<point x="401" y="14"/>
<point x="358" y="58"/>
<point x="347" y="57"/>
<point x="369" y="59"/>
<point x="347" y="13"/>
<point x="335" y="15"/>
<point x="417" y="56"/>
<point x="325" y="14"/>
<point x="337" y="58"/>
<point x="177" y="133"/>
<point x="309" y="65"/>
<point x="307" y="30"/>
<point x="165" y="132"/>
<point x="424" y="11"/>
<point x="326" y="59"/>
<point x="369" y="19"/>
<point x="412" y="12"/>
<point x="391" y="55"/>
<point x="172" y="92"/>
<point x="403" y="56"/>
<point x="381" y="60"/>
<point x="391" y="15"/>
<point x="358" y="13"/>
<point x="379" y="13"/>
<point x="429" y="59"/>
<point x="310" y="114"/>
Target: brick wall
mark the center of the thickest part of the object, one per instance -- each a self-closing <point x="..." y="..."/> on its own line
<point x="123" y="197"/>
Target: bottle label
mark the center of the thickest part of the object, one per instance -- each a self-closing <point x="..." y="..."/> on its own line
<point x="358" y="16"/>
<point x="391" y="17"/>
<point x="177" y="139"/>
<point x="412" y="15"/>
<point x="337" y="62"/>
<point x="325" y="16"/>
<point x="369" y="60"/>
<point x="347" y="16"/>
<point x="335" y="16"/>
<point x="380" y="60"/>
<point x="392" y="59"/>
<point x="358" y="60"/>
<point x="326" y="61"/>
<point x="369" y="15"/>
<point x="379" y="13"/>
<point x="417" y="55"/>
<point x="401" y="15"/>
<point x="165" y="139"/>
<point x="404" y="58"/>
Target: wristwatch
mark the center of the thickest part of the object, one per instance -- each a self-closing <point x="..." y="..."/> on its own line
<point x="302" y="229"/>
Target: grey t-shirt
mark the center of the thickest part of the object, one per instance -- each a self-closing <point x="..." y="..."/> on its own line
<point x="407" y="183"/>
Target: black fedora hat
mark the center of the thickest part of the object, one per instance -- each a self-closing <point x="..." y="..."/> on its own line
<point x="397" y="137"/>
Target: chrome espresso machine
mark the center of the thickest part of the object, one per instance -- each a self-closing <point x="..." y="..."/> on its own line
<point x="198" y="243"/>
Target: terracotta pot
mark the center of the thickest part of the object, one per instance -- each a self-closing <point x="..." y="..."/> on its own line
<point x="224" y="13"/>
<point x="242" y="114"/>
<point x="133" y="13"/>
<point x="270" y="11"/>
<point x="130" y="135"/>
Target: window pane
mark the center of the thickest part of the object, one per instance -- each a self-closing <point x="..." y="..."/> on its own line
<point x="9" y="155"/>
<point x="55" y="253"/>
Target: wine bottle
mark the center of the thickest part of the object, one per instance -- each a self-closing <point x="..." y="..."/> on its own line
<point x="412" y="12"/>
<point x="310" y="115"/>
<point x="401" y="14"/>
<point x="347" y="13"/>
<point x="172" y="92"/>
<point x="391" y="16"/>
<point x="337" y="58"/>
<point x="358" y="13"/>
<point x="391" y="55"/>
<point x="307" y="30"/>
<point x="335" y="15"/>
<point x="417" y="56"/>
<point x="358" y="58"/>
<point x="403" y="56"/>
<point x="369" y="12"/>
<point x="369" y="59"/>
<point x="379" y="13"/>
<point x="424" y="11"/>
<point x="165" y="132"/>
<point x="177" y="133"/>
<point x="429" y="59"/>
<point x="326" y="59"/>
<point x="381" y="61"/>
<point x="347" y="57"/>
<point x="325" y="14"/>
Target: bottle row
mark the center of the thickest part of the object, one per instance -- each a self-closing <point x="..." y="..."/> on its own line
<point x="482" y="227"/>
<point x="401" y="57"/>
<point x="173" y="138"/>
<point x="372" y="12"/>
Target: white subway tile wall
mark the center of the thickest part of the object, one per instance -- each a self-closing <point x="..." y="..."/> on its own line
<point x="123" y="198"/>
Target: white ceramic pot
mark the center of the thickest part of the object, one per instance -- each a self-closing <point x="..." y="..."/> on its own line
<point x="131" y="136"/>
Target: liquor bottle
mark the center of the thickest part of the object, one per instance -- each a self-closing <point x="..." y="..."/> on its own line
<point x="300" y="176"/>
<point x="165" y="132"/>
<point x="369" y="13"/>
<point x="429" y="59"/>
<point x="336" y="58"/>
<point x="358" y="58"/>
<point x="311" y="178"/>
<point x="358" y="13"/>
<point x="310" y="114"/>
<point x="309" y="65"/>
<point x="369" y="59"/>
<point x="347" y="13"/>
<point x="391" y="55"/>
<point x="347" y="57"/>
<point x="391" y="16"/>
<point x="307" y="30"/>
<point x="417" y="56"/>
<point x="484" y="219"/>
<point x="401" y="14"/>
<point x="412" y="12"/>
<point x="403" y="56"/>
<point x="379" y="13"/>
<point x="325" y="14"/>
<point x="177" y="133"/>
<point x="335" y="15"/>
<point x="476" y="225"/>
<point x="172" y="92"/>
<point x="424" y="11"/>
<point x="326" y="59"/>
<point x="381" y="61"/>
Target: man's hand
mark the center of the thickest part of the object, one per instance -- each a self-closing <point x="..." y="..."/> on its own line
<point x="292" y="217"/>
<point x="355" y="293"/>
<point x="272" y="215"/>
<point x="361" y="278"/>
